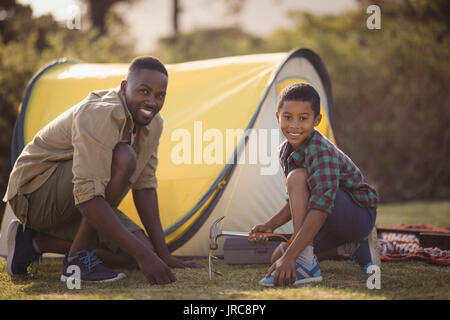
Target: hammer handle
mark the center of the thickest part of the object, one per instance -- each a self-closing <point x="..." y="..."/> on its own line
<point x="252" y="236"/>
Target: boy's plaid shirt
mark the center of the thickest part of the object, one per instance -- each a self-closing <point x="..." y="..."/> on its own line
<point x="328" y="169"/>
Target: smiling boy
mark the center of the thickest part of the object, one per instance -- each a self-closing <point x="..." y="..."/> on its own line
<point x="68" y="181"/>
<point x="330" y="203"/>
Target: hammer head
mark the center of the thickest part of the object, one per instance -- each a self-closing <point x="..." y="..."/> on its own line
<point x="214" y="233"/>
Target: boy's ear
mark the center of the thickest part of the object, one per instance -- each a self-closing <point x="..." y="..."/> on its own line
<point x="278" y="116"/>
<point x="317" y="120"/>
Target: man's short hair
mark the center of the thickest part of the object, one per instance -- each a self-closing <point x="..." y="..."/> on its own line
<point x="300" y="92"/>
<point x="147" y="62"/>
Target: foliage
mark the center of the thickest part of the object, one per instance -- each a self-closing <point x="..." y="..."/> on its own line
<point x="28" y="43"/>
<point x="391" y="86"/>
<point x="99" y="11"/>
<point x="207" y="43"/>
<point x="391" y="92"/>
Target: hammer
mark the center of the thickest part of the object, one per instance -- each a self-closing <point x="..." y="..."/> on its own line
<point x="215" y="233"/>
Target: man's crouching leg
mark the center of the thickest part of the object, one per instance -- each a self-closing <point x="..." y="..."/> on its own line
<point x="122" y="168"/>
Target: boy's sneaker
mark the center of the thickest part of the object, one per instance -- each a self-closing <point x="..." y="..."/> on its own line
<point x="91" y="268"/>
<point x="21" y="253"/>
<point x="304" y="274"/>
<point x="366" y="253"/>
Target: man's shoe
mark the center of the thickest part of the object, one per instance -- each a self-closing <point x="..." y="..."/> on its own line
<point x="91" y="268"/>
<point x="21" y="253"/>
<point x="304" y="274"/>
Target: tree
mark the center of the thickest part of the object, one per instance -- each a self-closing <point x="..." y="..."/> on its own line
<point x="232" y="7"/>
<point x="98" y="11"/>
<point x="175" y="16"/>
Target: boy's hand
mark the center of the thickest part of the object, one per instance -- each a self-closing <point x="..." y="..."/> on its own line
<point x="261" y="238"/>
<point x="284" y="269"/>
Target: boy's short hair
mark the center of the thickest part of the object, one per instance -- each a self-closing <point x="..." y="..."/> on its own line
<point x="147" y="62"/>
<point x="300" y="92"/>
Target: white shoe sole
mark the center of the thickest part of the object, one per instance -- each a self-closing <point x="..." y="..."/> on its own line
<point x="64" y="278"/>
<point x="296" y="283"/>
<point x="11" y="244"/>
<point x="373" y="246"/>
<point x="307" y="280"/>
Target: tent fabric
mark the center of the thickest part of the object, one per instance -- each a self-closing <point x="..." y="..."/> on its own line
<point x="204" y="170"/>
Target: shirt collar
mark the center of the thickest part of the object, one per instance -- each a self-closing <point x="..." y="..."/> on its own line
<point x="124" y="103"/>
<point x="305" y="143"/>
<point x="287" y="153"/>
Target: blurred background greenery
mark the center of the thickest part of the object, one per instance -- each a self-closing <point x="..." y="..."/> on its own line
<point x="391" y="87"/>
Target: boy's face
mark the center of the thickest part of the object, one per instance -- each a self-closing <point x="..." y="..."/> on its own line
<point x="144" y="91"/>
<point x="297" y="121"/>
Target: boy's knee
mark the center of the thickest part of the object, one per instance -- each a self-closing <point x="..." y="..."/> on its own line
<point x="124" y="158"/>
<point x="297" y="177"/>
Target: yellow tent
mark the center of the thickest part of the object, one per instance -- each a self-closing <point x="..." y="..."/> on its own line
<point x="218" y="151"/>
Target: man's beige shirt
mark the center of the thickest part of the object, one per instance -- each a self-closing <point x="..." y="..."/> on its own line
<point x="88" y="133"/>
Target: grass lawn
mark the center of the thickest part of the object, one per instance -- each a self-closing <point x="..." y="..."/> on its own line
<point x="399" y="280"/>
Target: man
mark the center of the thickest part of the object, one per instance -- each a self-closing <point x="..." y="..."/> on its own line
<point x="68" y="181"/>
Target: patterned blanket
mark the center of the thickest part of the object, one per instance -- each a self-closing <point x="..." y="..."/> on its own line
<point x="400" y="246"/>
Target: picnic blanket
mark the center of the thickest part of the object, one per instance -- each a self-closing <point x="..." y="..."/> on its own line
<point x="401" y="246"/>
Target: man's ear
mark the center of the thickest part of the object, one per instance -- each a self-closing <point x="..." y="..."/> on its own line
<point x="123" y="86"/>
<point x="317" y="120"/>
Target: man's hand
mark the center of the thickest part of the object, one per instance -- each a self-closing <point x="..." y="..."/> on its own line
<point x="284" y="269"/>
<point x="178" y="263"/>
<point x="155" y="270"/>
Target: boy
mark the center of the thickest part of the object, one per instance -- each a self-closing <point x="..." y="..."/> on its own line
<point x="68" y="181"/>
<point x="329" y="203"/>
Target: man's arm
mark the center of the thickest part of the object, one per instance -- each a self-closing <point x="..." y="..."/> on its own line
<point x="146" y="202"/>
<point x="101" y="216"/>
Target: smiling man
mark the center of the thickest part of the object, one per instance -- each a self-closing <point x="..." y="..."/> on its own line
<point x="68" y="181"/>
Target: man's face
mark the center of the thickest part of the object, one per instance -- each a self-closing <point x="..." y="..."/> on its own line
<point x="297" y="121"/>
<point x="144" y="91"/>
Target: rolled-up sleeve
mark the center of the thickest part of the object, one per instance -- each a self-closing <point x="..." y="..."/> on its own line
<point x="323" y="181"/>
<point x="147" y="179"/>
<point x="94" y="136"/>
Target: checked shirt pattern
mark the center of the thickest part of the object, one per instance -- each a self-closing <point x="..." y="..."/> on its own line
<point x="328" y="169"/>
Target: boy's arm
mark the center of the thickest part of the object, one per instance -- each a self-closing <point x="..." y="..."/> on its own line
<point x="284" y="267"/>
<point x="279" y="219"/>
<point x="313" y="222"/>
